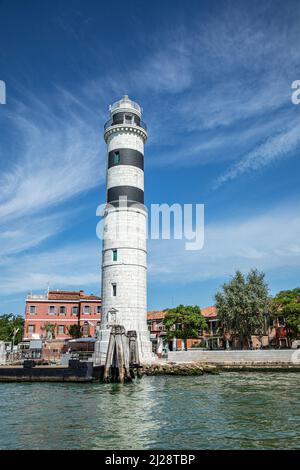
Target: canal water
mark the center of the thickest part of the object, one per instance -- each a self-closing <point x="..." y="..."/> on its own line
<point x="229" y="411"/>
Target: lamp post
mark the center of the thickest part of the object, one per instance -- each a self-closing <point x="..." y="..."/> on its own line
<point x="14" y="336"/>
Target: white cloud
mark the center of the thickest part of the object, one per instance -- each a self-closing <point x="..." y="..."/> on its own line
<point x="58" y="157"/>
<point x="166" y="70"/>
<point x="71" y="266"/>
<point x="273" y="149"/>
<point x="269" y="241"/>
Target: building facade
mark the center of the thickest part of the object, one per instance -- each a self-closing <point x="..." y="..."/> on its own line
<point x="124" y="253"/>
<point x="61" y="309"/>
<point x="209" y="338"/>
<point x="275" y="335"/>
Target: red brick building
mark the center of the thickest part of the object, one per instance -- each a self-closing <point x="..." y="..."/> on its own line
<point x="213" y="338"/>
<point x="61" y="309"/>
<point x="210" y="337"/>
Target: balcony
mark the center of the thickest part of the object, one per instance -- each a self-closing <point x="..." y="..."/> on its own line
<point x="110" y="123"/>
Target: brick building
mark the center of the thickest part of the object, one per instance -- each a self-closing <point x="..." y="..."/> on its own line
<point x="213" y="338"/>
<point x="61" y="309"/>
<point x="209" y="337"/>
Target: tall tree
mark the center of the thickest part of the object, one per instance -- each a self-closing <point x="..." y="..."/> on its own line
<point x="242" y="304"/>
<point x="184" y="322"/>
<point x="75" y="331"/>
<point x="11" y="326"/>
<point x="287" y="304"/>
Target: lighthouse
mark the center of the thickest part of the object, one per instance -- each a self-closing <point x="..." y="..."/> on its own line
<point x="124" y="253"/>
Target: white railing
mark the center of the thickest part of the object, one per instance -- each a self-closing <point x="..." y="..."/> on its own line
<point x="37" y="297"/>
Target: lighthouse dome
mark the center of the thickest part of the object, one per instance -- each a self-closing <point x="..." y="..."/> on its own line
<point x="125" y="104"/>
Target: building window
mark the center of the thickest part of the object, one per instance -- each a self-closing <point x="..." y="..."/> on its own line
<point x="74" y="310"/>
<point x="32" y="309"/>
<point x="98" y="309"/>
<point x="51" y="310"/>
<point x="62" y="310"/>
<point x="85" y="329"/>
<point x="115" y="255"/>
<point x="61" y="329"/>
<point x="117" y="158"/>
<point x="271" y="322"/>
<point x="114" y="290"/>
<point x="31" y="329"/>
<point x="87" y="309"/>
<point x="280" y="321"/>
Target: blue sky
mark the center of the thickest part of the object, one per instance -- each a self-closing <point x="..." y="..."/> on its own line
<point x="214" y="79"/>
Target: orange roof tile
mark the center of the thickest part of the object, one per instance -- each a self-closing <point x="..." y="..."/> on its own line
<point x="207" y="312"/>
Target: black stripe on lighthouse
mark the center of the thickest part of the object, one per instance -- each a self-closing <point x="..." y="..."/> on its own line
<point x="133" y="195"/>
<point x="125" y="156"/>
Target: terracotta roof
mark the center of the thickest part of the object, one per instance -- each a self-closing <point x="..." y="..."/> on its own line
<point x="156" y="315"/>
<point x="207" y="312"/>
<point x="70" y="295"/>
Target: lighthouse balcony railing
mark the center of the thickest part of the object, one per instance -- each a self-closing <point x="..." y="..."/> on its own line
<point x="110" y="123"/>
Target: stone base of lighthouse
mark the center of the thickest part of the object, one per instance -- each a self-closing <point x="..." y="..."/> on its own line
<point x="144" y="345"/>
<point x="124" y="278"/>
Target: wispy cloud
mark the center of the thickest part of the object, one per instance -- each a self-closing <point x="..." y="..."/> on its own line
<point x="268" y="241"/>
<point x="237" y="82"/>
<point x="273" y="149"/>
<point x="71" y="266"/>
<point x="58" y="157"/>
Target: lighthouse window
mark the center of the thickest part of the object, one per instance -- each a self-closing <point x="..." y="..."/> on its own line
<point x="128" y="119"/>
<point x="117" y="158"/>
<point x="115" y="255"/>
<point x="114" y="290"/>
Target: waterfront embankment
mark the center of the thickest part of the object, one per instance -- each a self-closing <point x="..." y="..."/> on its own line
<point x="167" y="368"/>
<point x="248" y="360"/>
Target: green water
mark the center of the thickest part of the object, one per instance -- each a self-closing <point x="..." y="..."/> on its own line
<point x="229" y="411"/>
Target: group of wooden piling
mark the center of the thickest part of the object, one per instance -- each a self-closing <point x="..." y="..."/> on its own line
<point x="122" y="359"/>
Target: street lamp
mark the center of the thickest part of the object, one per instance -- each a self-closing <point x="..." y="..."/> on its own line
<point x="14" y="336"/>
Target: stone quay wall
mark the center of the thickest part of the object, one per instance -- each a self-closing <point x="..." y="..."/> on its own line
<point x="288" y="356"/>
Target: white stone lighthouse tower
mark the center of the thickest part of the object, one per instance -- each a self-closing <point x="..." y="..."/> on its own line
<point x="124" y="261"/>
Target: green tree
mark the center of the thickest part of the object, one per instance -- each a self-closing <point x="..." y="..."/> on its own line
<point x="184" y="322"/>
<point x="50" y="329"/>
<point x="11" y="325"/>
<point x="287" y="304"/>
<point x="75" y="331"/>
<point x="242" y="304"/>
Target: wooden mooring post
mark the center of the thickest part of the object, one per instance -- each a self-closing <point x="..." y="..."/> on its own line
<point x="122" y="356"/>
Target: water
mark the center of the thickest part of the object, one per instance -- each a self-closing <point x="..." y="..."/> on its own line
<point x="229" y="411"/>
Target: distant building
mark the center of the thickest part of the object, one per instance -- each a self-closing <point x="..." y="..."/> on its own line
<point x="61" y="309"/>
<point x="213" y="338"/>
<point x="209" y="338"/>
